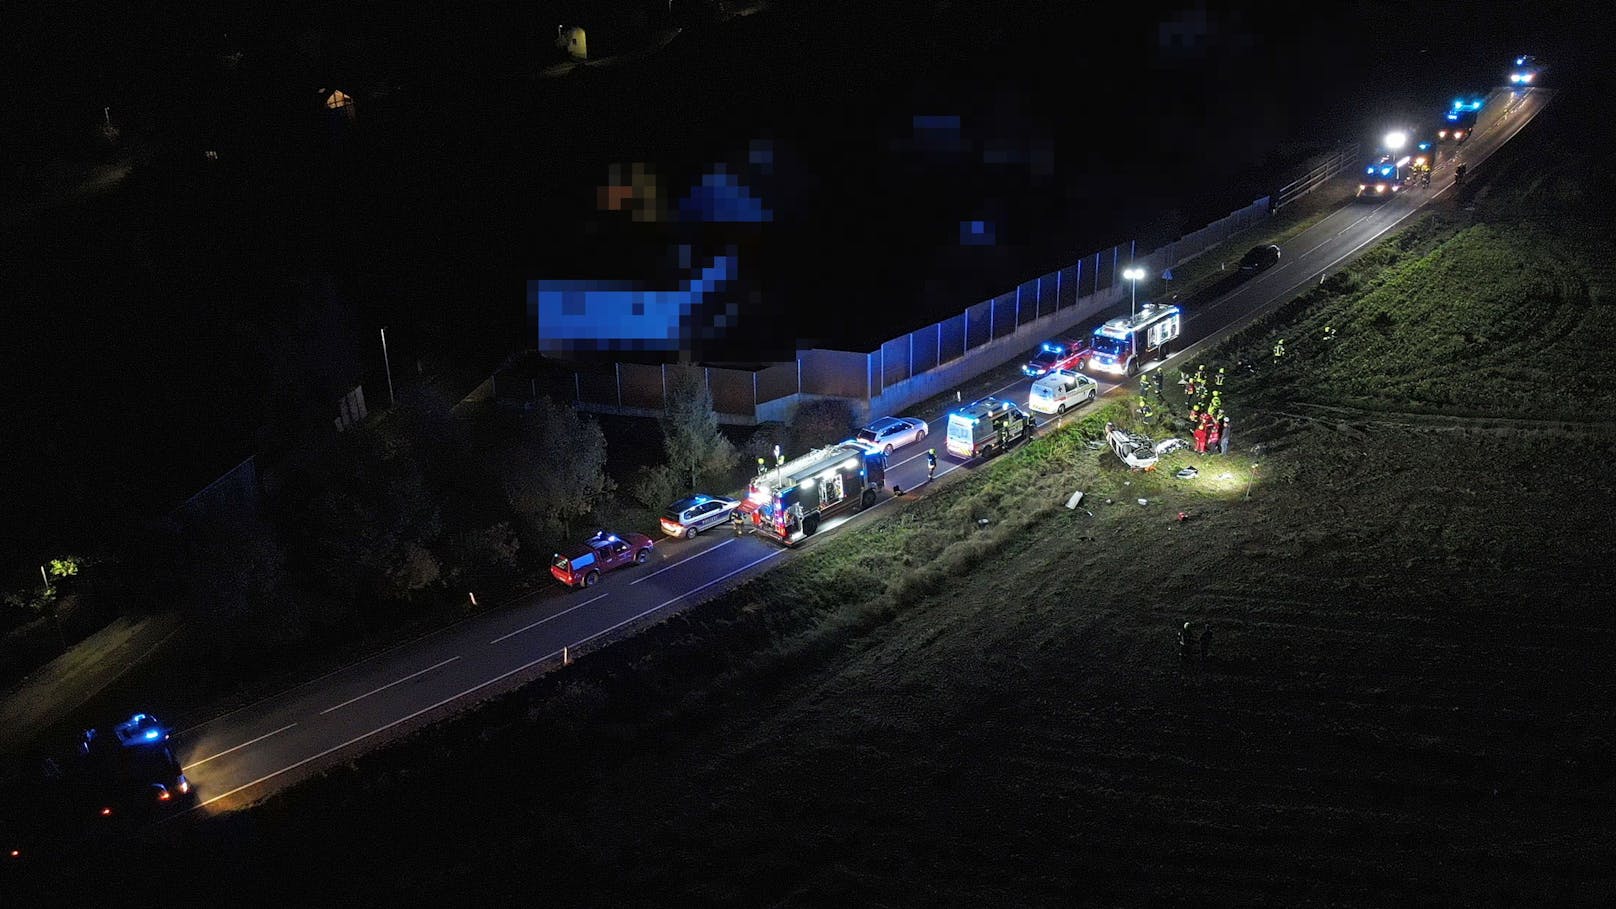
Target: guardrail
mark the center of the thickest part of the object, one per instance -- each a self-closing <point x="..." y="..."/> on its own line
<point x="1346" y="153"/>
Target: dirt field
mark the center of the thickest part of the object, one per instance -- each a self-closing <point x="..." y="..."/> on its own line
<point x="980" y="699"/>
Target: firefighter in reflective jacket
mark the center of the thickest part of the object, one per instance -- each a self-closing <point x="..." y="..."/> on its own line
<point x="931" y="463"/>
<point x="1221" y="373"/>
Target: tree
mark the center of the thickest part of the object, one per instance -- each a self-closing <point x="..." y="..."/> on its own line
<point x="554" y="468"/>
<point x="690" y="433"/>
<point x="361" y="512"/>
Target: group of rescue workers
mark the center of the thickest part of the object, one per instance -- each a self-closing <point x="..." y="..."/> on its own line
<point x="1208" y="419"/>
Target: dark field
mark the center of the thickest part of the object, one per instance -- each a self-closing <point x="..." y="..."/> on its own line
<point x="1407" y="696"/>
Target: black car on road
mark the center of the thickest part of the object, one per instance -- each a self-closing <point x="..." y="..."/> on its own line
<point x="1260" y="257"/>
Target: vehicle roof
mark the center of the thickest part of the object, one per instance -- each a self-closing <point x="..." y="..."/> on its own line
<point x="812" y="463"/>
<point x="982" y="408"/>
<point x="698" y="499"/>
<point x="884" y="422"/>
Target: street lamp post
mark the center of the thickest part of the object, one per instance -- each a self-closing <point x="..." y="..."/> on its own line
<point x="1134" y="275"/>
<point x="389" y="367"/>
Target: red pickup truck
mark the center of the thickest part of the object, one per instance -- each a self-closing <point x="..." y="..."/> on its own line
<point x="582" y="565"/>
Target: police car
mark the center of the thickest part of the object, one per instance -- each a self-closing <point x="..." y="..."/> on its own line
<point x="690" y="516"/>
<point x="131" y="767"/>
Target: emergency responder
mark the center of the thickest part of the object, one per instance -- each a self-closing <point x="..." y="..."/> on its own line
<point x="1004" y="435"/>
<point x="1144" y="410"/>
<point x="1186" y="641"/>
<point x="1279" y="348"/>
<point x="762" y="467"/>
<point x="1212" y="436"/>
<point x="1195" y="412"/>
<point x="1221" y="373"/>
<point x="1200" y="376"/>
<point x="1329" y="333"/>
<point x="1217" y="404"/>
<point x="931" y="463"/>
<point x="1200" y="437"/>
<point x="1223" y="435"/>
<point x="738" y="520"/>
<point x="1144" y="385"/>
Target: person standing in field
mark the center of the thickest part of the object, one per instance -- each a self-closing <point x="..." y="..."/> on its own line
<point x="1200" y="437"/>
<point x="1212" y="436"/>
<point x="1223" y="436"/>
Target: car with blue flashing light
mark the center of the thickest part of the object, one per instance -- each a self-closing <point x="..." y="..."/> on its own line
<point x="1384" y="177"/>
<point x="987" y="427"/>
<point x="583" y="564"/>
<point x="691" y="515"/>
<point x="1526" y="71"/>
<point x="1459" y="120"/>
<point x="1052" y="355"/>
<point x="128" y="769"/>
<point x="889" y="433"/>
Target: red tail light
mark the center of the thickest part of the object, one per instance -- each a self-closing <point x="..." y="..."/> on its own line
<point x="106" y="812"/>
<point x="164" y="795"/>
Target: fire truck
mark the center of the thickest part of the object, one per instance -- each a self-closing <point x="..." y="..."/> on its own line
<point x="1122" y="344"/>
<point x="790" y="502"/>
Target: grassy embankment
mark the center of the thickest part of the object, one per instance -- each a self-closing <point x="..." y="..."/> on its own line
<point x="1407" y="699"/>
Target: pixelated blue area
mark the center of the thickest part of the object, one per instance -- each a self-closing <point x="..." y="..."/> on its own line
<point x="722" y="199"/>
<point x="598" y="315"/>
<point x="976" y="233"/>
<point x="938" y="133"/>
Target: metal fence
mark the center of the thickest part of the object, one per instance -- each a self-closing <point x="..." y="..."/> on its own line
<point x="1191" y="245"/>
<point x="1333" y="163"/>
<point x="1044" y="306"/>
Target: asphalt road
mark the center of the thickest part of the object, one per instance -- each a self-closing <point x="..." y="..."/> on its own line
<point x="250" y="752"/>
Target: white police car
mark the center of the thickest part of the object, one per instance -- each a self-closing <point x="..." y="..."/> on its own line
<point x="690" y="516"/>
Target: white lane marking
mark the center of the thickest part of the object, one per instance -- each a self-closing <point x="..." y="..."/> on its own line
<point x="681" y="561"/>
<point x="388" y="685"/>
<point x="558" y="615"/>
<point x="359" y="738"/>
<point x="692" y="591"/>
<point x="239" y="747"/>
<point x="452" y="698"/>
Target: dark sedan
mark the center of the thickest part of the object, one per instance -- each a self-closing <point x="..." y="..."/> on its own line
<point x="1259" y="258"/>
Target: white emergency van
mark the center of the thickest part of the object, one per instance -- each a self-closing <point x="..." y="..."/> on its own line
<point x="1060" y="391"/>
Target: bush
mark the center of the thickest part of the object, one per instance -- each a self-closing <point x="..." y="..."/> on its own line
<point x="818" y="423"/>
<point x="655" y="487"/>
